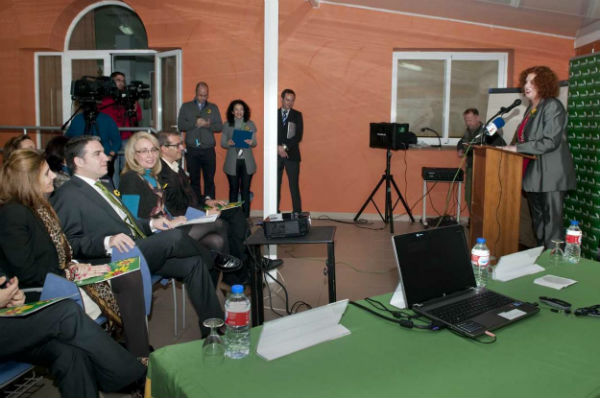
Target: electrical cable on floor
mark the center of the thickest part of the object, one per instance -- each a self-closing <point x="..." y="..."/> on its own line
<point x="338" y="262"/>
<point x="297" y="305"/>
<point x="357" y="223"/>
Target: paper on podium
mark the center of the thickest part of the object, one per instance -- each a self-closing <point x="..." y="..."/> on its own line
<point x="518" y="264"/>
<point x="293" y="333"/>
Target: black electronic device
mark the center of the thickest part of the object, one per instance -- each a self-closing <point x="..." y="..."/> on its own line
<point x="286" y="225"/>
<point x="391" y="136"/>
<point x="441" y="174"/>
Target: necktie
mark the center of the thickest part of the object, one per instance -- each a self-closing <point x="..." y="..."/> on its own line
<point x="284" y="116"/>
<point x="129" y="220"/>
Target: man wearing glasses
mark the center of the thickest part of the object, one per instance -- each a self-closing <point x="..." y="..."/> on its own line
<point x="179" y="195"/>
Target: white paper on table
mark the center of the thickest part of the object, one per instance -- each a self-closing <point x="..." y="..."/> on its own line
<point x="518" y="264"/>
<point x="553" y="281"/>
<point x="398" y="299"/>
<point x="293" y="333"/>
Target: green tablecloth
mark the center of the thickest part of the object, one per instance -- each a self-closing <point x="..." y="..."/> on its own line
<point x="548" y="355"/>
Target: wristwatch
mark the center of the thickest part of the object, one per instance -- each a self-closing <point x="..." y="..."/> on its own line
<point x="285" y="147"/>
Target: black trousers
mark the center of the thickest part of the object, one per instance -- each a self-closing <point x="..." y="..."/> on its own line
<point x="240" y="181"/>
<point x="173" y="254"/>
<point x="205" y="161"/>
<point x="292" y="168"/>
<point x="547" y="216"/>
<point x="81" y="356"/>
<point x="129" y="294"/>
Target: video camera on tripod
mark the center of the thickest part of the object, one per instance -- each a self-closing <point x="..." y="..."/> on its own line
<point x="133" y="91"/>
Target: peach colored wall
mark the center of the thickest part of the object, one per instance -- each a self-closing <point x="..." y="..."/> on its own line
<point x="337" y="59"/>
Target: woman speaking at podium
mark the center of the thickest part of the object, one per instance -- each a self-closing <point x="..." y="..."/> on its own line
<point x="543" y="133"/>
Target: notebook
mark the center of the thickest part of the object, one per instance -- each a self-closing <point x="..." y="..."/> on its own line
<point x="438" y="282"/>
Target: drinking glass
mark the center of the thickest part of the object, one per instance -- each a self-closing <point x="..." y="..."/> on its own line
<point x="213" y="348"/>
<point x="556" y="255"/>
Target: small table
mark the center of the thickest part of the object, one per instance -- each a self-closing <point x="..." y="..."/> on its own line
<point x="316" y="235"/>
<point x="426" y="179"/>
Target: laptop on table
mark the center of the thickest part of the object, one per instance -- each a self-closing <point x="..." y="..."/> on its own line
<point x="438" y="282"/>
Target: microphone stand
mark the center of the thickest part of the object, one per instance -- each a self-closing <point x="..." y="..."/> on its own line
<point x="436" y="134"/>
<point x="481" y="136"/>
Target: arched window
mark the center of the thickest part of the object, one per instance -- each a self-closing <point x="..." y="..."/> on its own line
<point x="109" y="28"/>
<point x="104" y="37"/>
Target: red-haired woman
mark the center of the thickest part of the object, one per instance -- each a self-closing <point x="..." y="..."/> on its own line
<point x="543" y="133"/>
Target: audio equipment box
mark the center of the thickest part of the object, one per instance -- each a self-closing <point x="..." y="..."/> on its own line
<point x="441" y="174"/>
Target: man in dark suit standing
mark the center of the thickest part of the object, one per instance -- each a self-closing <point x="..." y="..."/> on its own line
<point x="289" y="135"/>
<point x="95" y="220"/>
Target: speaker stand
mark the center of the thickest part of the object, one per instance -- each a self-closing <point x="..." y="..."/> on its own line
<point x="389" y="209"/>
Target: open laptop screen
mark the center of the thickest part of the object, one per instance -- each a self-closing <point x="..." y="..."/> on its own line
<point x="433" y="263"/>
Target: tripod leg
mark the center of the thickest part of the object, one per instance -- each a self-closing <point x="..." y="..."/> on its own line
<point x="370" y="198"/>
<point x="412" y="219"/>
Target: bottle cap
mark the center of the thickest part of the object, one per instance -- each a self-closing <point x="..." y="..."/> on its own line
<point x="237" y="289"/>
<point x="574" y="222"/>
<point x="480" y="240"/>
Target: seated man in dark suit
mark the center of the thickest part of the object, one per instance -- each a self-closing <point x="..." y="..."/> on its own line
<point x="95" y="220"/>
<point x="179" y="195"/>
<point x="82" y="358"/>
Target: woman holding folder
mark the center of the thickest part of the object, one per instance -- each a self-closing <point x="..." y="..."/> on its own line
<point x="239" y="137"/>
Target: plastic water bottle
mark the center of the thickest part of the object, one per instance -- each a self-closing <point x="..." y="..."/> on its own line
<point x="237" y="323"/>
<point x="573" y="243"/>
<point x="480" y="260"/>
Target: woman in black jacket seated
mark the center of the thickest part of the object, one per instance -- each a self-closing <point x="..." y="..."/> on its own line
<point x="140" y="180"/>
<point x="32" y="244"/>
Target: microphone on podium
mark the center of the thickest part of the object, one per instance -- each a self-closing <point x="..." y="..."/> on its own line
<point x="511" y="107"/>
<point x="493" y="126"/>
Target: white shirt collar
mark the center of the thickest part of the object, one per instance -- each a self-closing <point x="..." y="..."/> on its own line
<point x="172" y="165"/>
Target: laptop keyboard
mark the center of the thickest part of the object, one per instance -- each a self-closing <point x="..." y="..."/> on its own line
<point x="470" y="307"/>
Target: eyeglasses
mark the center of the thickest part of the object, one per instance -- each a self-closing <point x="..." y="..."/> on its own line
<point x="174" y="145"/>
<point x="146" y="151"/>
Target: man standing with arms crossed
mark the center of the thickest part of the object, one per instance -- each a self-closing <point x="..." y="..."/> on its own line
<point x="289" y="135"/>
<point x="199" y="120"/>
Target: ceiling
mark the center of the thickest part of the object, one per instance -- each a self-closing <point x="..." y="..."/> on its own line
<point x="557" y="17"/>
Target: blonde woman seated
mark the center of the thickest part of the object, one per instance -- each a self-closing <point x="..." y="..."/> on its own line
<point x="32" y="244"/>
<point x="140" y="188"/>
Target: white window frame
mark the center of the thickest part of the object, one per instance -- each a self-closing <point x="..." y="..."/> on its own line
<point x="157" y="86"/>
<point x="447" y="57"/>
<point x="67" y="56"/>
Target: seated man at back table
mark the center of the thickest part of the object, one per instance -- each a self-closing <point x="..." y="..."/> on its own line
<point x="95" y="220"/>
<point x="179" y="195"/>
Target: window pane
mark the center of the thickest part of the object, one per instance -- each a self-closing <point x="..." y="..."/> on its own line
<point x="469" y="87"/>
<point x="420" y="94"/>
<point x="109" y="28"/>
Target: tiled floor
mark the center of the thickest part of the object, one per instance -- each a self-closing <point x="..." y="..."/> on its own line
<point x="365" y="266"/>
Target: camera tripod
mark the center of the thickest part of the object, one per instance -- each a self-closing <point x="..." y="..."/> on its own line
<point x="389" y="209"/>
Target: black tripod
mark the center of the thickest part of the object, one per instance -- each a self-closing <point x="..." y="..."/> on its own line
<point x="389" y="209"/>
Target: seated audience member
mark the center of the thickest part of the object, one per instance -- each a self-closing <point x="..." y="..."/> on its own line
<point x="179" y="195"/>
<point x="55" y="156"/>
<point x="95" y="221"/>
<point x="82" y="358"/>
<point x="140" y="182"/>
<point x="32" y="245"/>
<point x="19" y="142"/>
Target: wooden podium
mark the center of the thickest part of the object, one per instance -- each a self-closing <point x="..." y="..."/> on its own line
<point x="496" y="198"/>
